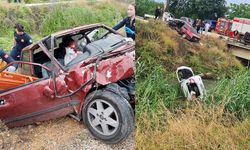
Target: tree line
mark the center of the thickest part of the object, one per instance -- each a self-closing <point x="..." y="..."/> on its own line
<point x="202" y="9"/>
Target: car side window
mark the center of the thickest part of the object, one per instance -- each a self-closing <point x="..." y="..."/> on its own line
<point x="185" y="26"/>
<point x="25" y="68"/>
<point x="36" y="55"/>
<point x="42" y="58"/>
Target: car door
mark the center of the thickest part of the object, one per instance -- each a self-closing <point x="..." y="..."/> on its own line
<point x="33" y="101"/>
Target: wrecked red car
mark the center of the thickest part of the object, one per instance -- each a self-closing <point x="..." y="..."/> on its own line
<point x="97" y="86"/>
<point x="185" y="29"/>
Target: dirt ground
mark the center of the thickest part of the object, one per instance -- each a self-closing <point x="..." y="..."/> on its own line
<point x="60" y="134"/>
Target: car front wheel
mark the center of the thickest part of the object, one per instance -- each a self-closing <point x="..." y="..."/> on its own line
<point x="108" y="116"/>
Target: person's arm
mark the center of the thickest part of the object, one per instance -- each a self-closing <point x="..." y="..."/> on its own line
<point x="29" y="40"/>
<point x="14" y="41"/>
<point x="120" y="24"/>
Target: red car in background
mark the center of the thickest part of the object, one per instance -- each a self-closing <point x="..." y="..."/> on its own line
<point x="97" y="86"/>
<point x="185" y="29"/>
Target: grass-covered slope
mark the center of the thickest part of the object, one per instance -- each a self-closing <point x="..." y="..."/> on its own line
<point x="171" y="50"/>
<point x="163" y="119"/>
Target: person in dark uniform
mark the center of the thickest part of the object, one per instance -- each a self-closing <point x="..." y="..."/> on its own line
<point x="157" y="12"/>
<point x="5" y="57"/>
<point x="128" y="22"/>
<point x="21" y="40"/>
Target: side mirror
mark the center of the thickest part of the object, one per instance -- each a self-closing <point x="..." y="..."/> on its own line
<point x="60" y="88"/>
<point x="47" y="91"/>
<point x="59" y="85"/>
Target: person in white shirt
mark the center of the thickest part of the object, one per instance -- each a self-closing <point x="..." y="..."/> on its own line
<point x="207" y="26"/>
<point x="71" y="50"/>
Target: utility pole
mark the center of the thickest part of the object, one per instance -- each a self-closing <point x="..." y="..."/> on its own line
<point x="166" y="6"/>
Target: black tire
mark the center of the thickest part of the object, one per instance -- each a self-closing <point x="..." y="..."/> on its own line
<point x="124" y="115"/>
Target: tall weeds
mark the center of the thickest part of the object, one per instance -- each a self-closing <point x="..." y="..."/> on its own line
<point x="193" y="128"/>
<point x="164" y="120"/>
<point x="171" y="51"/>
<point x="44" y="20"/>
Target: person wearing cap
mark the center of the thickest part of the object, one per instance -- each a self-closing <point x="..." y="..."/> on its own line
<point x="21" y="40"/>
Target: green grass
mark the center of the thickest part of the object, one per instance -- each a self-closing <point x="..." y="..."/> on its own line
<point x="6" y="42"/>
<point x="50" y="19"/>
<point x="153" y="89"/>
<point x="234" y="93"/>
<point x="42" y="21"/>
<point x="192" y="128"/>
<point x="38" y="1"/>
<point x="62" y="18"/>
<point x="166" y="47"/>
<point x="160" y="52"/>
<point x="164" y="120"/>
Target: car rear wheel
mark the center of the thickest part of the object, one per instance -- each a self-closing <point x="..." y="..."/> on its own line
<point x="108" y="116"/>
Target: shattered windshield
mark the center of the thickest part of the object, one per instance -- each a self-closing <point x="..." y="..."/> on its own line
<point x="99" y="47"/>
<point x="73" y="48"/>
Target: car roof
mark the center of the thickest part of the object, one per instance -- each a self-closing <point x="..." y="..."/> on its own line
<point x="184" y="21"/>
<point x="65" y="32"/>
<point x="73" y="30"/>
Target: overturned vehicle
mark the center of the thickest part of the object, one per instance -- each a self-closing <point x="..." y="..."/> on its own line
<point x="185" y="29"/>
<point x="96" y="86"/>
<point x="191" y="85"/>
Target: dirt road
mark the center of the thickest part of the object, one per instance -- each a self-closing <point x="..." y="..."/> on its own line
<point x="52" y="2"/>
<point x="60" y="134"/>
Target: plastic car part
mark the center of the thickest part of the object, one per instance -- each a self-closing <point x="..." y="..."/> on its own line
<point x="2" y="64"/>
<point x="10" y="80"/>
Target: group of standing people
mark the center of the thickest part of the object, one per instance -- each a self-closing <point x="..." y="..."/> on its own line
<point x="201" y="25"/>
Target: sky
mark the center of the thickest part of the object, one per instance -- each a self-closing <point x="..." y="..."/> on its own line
<point x="228" y="1"/>
<point x="237" y="1"/>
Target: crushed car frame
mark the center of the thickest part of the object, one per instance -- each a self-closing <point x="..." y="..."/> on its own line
<point x="97" y="86"/>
